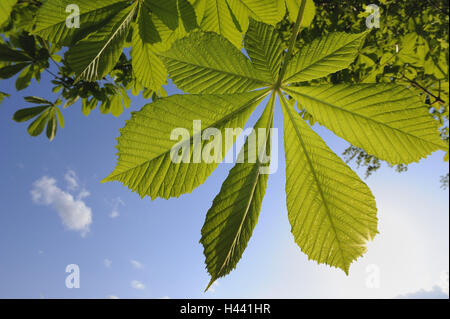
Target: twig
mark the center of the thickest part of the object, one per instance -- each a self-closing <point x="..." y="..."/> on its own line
<point x="417" y="85"/>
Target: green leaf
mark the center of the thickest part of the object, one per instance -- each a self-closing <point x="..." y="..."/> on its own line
<point x="264" y="48"/>
<point x="168" y="36"/>
<point x="218" y="18"/>
<point x="27" y="114"/>
<point x="147" y="29"/>
<point x="94" y="57"/>
<point x="52" y="125"/>
<point x="199" y="7"/>
<point x="125" y="98"/>
<point x="10" y="55"/>
<point x="230" y="18"/>
<point x="11" y="70"/>
<point x="38" y="125"/>
<point x="71" y="101"/>
<point x="166" y="10"/>
<point x="6" y="7"/>
<point x="88" y="106"/>
<point x="60" y="117"/>
<point x="147" y="67"/>
<point x="146" y="150"/>
<point x="37" y="100"/>
<point x="3" y="95"/>
<point x="324" y="56"/>
<point x="266" y="11"/>
<point x="116" y="105"/>
<point x="174" y="12"/>
<point x="331" y="211"/>
<point x="293" y="7"/>
<point x="234" y="213"/>
<point x="208" y="63"/>
<point x="388" y="121"/>
<point x="24" y="79"/>
<point x="51" y="20"/>
<point x="187" y="15"/>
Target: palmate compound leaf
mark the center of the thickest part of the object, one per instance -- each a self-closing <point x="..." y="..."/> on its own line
<point x="52" y="17"/>
<point x="47" y="113"/>
<point x="94" y="57"/>
<point x="388" y="121"/>
<point x="148" y="161"/>
<point x="331" y="211"/>
<point x="332" y="53"/>
<point x="234" y="213"/>
<point x="205" y="62"/>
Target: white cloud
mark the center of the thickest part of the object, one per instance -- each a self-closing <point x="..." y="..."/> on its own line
<point x="116" y="203"/>
<point x="107" y="262"/>
<point x="213" y="287"/>
<point x="71" y="180"/>
<point x="114" y="214"/>
<point x="74" y="213"/>
<point x="165" y="297"/>
<point x="443" y="283"/>
<point x="83" y="194"/>
<point x="136" y="264"/>
<point x="113" y="297"/>
<point x="435" y="292"/>
<point x="137" y="285"/>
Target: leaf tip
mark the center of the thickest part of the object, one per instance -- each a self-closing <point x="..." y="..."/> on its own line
<point x="212" y="281"/>
<point x="106" y="179"/>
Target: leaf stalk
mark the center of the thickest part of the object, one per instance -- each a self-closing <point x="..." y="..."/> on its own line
<point x="292" y="41"/>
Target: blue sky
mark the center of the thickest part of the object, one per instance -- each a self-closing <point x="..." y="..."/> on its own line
<point x="138" y="248"/>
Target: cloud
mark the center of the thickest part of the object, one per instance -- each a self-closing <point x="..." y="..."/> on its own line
<point x="114" y="214"/>
<point x="213" y="287"/>
<point x="116" y="203"/>
<point x="436" y="292"/>
<point x="443" y="283"/>
<point x="83" y="194"/>
<point x="107" y="262"/>
<point x="74" y="213"/>
<point x="71" y="180"/>
<point x="137" y="285"/>
<point x="136" y="264"/>
<point x="113" y="297"/>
